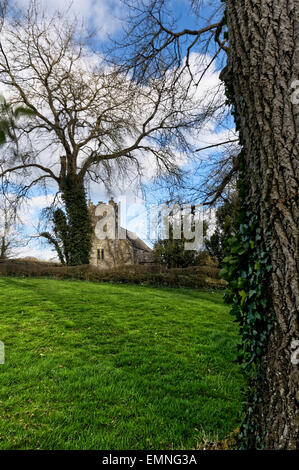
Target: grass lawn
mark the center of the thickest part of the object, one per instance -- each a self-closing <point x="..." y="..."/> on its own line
<point x="103" y="366"/>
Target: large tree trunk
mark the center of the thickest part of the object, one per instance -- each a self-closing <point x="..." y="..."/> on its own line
<point x="262" y="66"/>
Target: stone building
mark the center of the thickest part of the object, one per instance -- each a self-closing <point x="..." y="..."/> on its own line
<point x="113" y="245"/>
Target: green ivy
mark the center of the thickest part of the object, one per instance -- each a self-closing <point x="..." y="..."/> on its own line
<point x="247" y="269"/>
<point x="77" y="222"/>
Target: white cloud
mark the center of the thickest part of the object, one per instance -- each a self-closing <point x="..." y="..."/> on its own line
<point x="40" y="253"/>
<point x="31" y="210"/>
<point x="29" y="216"/>
<point x="104" y="15"/>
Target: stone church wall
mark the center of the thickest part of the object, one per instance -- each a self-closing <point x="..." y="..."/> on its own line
<point x="110" y="253"/>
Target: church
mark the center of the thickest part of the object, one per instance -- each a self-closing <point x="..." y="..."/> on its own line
<point x="113" y="245"/>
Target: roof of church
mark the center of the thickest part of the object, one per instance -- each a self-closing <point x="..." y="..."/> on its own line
<point x="136" y="242"/>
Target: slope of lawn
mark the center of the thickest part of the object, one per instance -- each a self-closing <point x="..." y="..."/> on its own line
<point x="103" y="366"/>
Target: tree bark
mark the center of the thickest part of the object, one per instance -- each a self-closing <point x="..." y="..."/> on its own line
<point x="262" y="65"/>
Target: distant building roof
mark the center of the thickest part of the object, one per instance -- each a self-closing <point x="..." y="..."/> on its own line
<point x="136" y="242"/>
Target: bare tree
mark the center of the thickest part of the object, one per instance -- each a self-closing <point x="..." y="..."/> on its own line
<point x="11" y="227"/>
<point x="92" y="120"/>
<point x="212" y="180"/>
<point x="215" y="178"/>
<point x="11" y="237"/>
<point x="152" y="38"/>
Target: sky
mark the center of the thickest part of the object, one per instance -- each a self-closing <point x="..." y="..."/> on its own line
<point x="106" y="16"/>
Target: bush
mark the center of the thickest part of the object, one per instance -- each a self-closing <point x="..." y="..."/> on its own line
<point x="193" y="276"/>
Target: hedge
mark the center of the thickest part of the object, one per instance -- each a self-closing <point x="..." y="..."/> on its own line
<point x="193" y="276"/>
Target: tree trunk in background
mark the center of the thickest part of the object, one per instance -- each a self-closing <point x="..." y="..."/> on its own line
<point x="79" y="229"/>
<point x="262" y="66"/>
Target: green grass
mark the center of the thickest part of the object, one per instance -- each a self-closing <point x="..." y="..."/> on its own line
<point x="102" y="366"/>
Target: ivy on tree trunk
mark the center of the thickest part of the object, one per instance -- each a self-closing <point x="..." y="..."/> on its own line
<point x="262" y="66"/>
<point x="77" y="233"/>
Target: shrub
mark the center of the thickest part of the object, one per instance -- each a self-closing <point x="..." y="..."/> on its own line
<point x="193" y="276"/>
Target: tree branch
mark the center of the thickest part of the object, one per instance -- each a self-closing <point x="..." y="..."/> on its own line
<point x="225" y="182"/>
<point x="28" y="165"/>
<point x="216" y="145"/>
